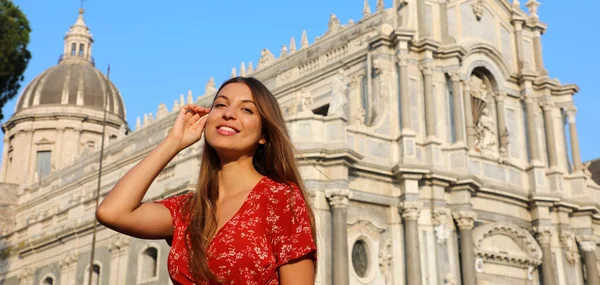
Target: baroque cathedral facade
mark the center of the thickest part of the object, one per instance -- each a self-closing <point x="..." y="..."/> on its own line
<point x="434" y="146"/>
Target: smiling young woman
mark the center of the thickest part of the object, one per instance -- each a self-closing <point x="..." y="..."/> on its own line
<point x="248" y="222"/>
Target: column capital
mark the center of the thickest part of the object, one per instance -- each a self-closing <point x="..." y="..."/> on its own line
<point x="543" y="234"/>
<point x="402" y="59"/>
<point x="587" y="242"/>
<point x="500" y="96"/>
<point x="455" y="75"/>
<point x="465" y="219"/>
<point x="426" y="68"/>
<point x="118" y="245"/>
<point x="338" y="198"/>
<point x="356" y="78"/>
<point x="25" y="275"/>
<point x="466" y="86"/>
<point x="68" y="260"/>
<point x="546" y="103"/>
<point x="571" y="112"/>
<point x="411" y="210"/>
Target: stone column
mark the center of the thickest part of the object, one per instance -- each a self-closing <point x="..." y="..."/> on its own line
<point x="118" y="265"/>
<point x="531" y="132"/>
<point x="338" y="200"/>
<point x="587" y="244"/>
<point x="25" y="277"/>
<point x="429" y="103"/>
<point x="410" y="213"/>
<point x="502" y="130"/>
<point x="459" y="127"/>
<point x="548" y="107"/>
<point x="544" y="238"/>
<point x="465" y="221"/>
<point x="469" y="116"/>
<point x="404" y="94"/>
<point x="574" y="139"/>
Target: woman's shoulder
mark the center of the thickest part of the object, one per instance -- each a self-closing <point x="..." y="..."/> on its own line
<point x="278" y="189"/>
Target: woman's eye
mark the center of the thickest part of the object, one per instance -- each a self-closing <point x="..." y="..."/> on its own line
<point x="219" y="105"/>
<point x="248" y="111"/>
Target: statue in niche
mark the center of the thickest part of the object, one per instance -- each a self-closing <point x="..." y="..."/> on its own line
<point x="485" y="137"/>
<point x="338" y="101"/>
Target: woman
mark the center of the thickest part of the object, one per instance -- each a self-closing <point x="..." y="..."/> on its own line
<point x="248" y="221"/>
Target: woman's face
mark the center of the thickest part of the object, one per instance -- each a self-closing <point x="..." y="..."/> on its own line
<point x="233" y="127"/>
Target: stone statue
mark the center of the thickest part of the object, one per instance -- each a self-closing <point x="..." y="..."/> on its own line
<point x="485" y="138"/>
<point x="360" y="116"/>
<point x="209" y="88"/>
<point x="265" y="58"/>
<point x="338" y="101"/>
<point x="305" y="100"/>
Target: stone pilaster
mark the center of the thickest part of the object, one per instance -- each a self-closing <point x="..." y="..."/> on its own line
<point x="5" y="157"/>
<point x="548" y="108"/>
<point x="443" y="10"/>
<point x="502" y="130"/>
<point x="118" y="265"/>
<point x="422" y="19"/>
<point x="411" y="210"/>
<point x="338" y="201"/>
<point x="465" y="221"/>
<point x="574" y="139"/>
<point x="531" y="130"/>
<point x="544" y="238"/>
<point x="469" y="125"/>
<point x="519" y="40"/>
<point x="404" y="95"/>
<point x="427" y="71"/>
<point x="587" y="244"/>
<point x="459" y="127"/>
<point x="68" y="265"/>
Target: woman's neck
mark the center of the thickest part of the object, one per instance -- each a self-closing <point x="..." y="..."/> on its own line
<point x="236" y="176"/>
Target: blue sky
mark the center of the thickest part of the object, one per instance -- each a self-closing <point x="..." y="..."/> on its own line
<point x="160" y="49"/>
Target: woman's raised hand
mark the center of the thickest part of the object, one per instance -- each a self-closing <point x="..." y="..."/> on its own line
<point x="188" y="126"/>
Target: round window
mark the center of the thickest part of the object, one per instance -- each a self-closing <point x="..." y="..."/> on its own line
<point x="360" y="259"/>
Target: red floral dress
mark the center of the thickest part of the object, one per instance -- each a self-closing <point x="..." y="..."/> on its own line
<point x="271" y="228"/>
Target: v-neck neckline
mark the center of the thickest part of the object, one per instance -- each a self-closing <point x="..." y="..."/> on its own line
<point x="239" y="211"/>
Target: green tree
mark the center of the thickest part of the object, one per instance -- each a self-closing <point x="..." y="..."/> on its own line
<point x="14" y="56"/>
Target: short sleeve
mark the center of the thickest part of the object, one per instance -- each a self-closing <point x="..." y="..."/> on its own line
<point x="289" y="223"/>
<point x="173" y="204"/>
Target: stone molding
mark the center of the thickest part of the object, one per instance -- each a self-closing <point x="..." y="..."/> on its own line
<point x="532" y="252"/>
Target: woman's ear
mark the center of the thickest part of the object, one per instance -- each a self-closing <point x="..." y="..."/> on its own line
<point x="262" y="141"/>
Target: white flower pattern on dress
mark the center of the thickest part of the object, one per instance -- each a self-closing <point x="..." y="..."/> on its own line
<point x="271" y="228"/>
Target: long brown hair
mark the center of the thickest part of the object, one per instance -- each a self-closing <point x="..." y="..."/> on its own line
<point x="275" y="160"/>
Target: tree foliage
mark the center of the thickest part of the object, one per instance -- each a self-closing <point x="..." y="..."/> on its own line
<point x="14" y="56"/>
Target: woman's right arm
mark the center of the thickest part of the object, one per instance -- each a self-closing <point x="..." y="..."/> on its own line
<point x="122" y="210"/>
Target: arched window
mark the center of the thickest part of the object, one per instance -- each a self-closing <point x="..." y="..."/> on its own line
<point x="49" y="280"/>
<point x="148" y="264"/>
<point x="73" y="49"/>
<point x="81" y="49"/>
<point x="96" y="277"/>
